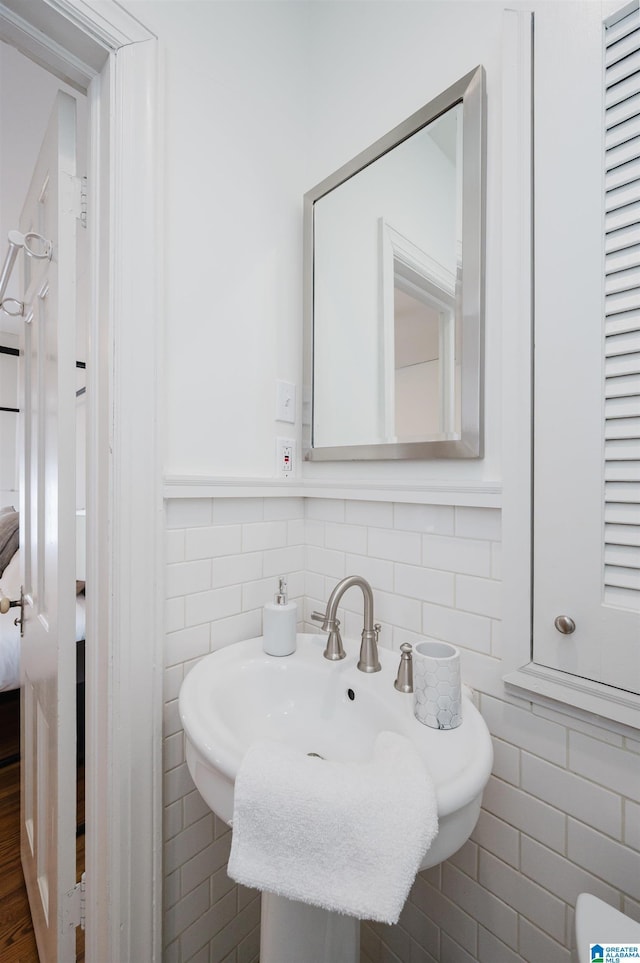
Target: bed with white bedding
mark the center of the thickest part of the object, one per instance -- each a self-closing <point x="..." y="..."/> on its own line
<point x="10" y="588"/>
<point x="9" y="581"/>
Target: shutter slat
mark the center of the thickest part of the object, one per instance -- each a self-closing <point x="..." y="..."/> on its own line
<point x="619" y="197"/>
<point x="626" y="364"/>
<point x="624" y="258"/>
<point x="623" y="281"/>
<point x="623" y="397"/>
<point x="623" y="556"/>
<point x="622" y="301"/>
<point x="621" y="429"/>
<point x="620" y="577"/>
<point x="625" y="404"/>
<point x="627" y="151"/>
<point x="622" y="91"/>
<point x="621" y="481"/>
<point x="622" y="514"/>
<point x="624" y="471"/>
<point x="624" y="237"/>
<point x="626" y="343"/>
<point x="621" y="323"/>
<point x="622" y="68"/>
<point x="618" y="115"/>
<point x="622" y="217"/>
<point x="620" y="27"/>
<point x="626" y="387"/>
<point x="622" y="535"/>
<point x="623" y="493"/>
<point x="624" y="174"/>
<point x="626" y="44"/>
<point x="621" y="449"/>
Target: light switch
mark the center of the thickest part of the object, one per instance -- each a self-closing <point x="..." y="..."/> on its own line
<point x="285" y="401"/>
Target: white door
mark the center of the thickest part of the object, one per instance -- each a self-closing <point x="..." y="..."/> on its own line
<point x="47" y="537"/>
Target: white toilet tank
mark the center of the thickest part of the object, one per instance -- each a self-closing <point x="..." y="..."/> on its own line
<point x="597" y="922"/>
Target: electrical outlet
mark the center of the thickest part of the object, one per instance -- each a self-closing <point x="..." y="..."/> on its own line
<point x="285" y="401"/>
<point x="285" y="457"/>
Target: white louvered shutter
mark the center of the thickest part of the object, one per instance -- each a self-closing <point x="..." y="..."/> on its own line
<point x="587" y="346"/>
<point x="622" y="314"/>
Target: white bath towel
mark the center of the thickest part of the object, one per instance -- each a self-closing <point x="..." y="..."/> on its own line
<point x="348" y="837"/>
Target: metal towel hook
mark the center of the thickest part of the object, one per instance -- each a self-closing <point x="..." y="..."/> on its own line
<point x="35" y="246"/>
<point x="39" y="255"/>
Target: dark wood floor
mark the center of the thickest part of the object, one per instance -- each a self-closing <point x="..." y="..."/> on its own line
<point x="17" y="941"/>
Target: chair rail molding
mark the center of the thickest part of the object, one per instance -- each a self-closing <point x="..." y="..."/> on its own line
<point x="476" y="494"/>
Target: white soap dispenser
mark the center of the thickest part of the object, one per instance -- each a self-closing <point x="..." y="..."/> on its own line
<point x="279" y="623"/>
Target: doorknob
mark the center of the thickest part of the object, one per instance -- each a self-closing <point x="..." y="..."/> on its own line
<point x="6" y="604"/>
<point x="20" y="620"/>
<point x="564" y="624"/>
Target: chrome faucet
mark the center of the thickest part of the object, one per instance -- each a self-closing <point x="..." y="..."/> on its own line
<point x="334" y="650"/>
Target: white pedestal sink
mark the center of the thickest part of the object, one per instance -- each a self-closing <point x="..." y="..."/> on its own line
<point x="239" y="695"/>
<point x="292" y="932"/>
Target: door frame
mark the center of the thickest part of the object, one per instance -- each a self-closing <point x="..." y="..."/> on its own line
<point x="114" y="58"/>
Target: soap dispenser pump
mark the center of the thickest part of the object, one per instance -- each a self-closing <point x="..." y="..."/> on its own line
<point x="279" y="623"/>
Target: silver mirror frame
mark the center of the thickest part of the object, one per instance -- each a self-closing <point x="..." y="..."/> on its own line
<point x="470" y="92"/>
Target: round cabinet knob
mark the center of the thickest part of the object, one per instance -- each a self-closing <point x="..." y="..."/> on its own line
<point x="565" y="624"/>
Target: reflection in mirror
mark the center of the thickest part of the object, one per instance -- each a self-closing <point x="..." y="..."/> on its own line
<point x="393" y="292"/>
<point x="420" y="397"/>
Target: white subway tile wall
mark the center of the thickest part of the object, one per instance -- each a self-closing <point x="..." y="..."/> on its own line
<point x="561" y="811"/>
<point x="224" y="557"/>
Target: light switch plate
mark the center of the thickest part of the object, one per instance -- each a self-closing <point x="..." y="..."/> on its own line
<point x="285" y="401"/>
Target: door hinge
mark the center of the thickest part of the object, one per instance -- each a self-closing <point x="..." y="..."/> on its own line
<point x="83" y="201"/>
<point x="74" y="908"/>
<point x="79" y="189"/>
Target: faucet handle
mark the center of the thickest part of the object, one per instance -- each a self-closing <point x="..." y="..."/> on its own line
<point x="404" y="679"/>
<point x="328" y="625"/>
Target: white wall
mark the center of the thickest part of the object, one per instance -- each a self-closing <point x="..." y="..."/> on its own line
<point x="261" y="102"/>
<point x="235" y="131"/>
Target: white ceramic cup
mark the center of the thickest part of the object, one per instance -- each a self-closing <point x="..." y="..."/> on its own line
<point x="437" y="691"/>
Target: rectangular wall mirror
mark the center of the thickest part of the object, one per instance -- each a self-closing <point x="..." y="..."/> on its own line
<point x="394" y="291"/>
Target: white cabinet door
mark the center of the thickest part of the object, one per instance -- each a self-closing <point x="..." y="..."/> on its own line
<point x="47" y="537"/>
<point x="587" y="343"/>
